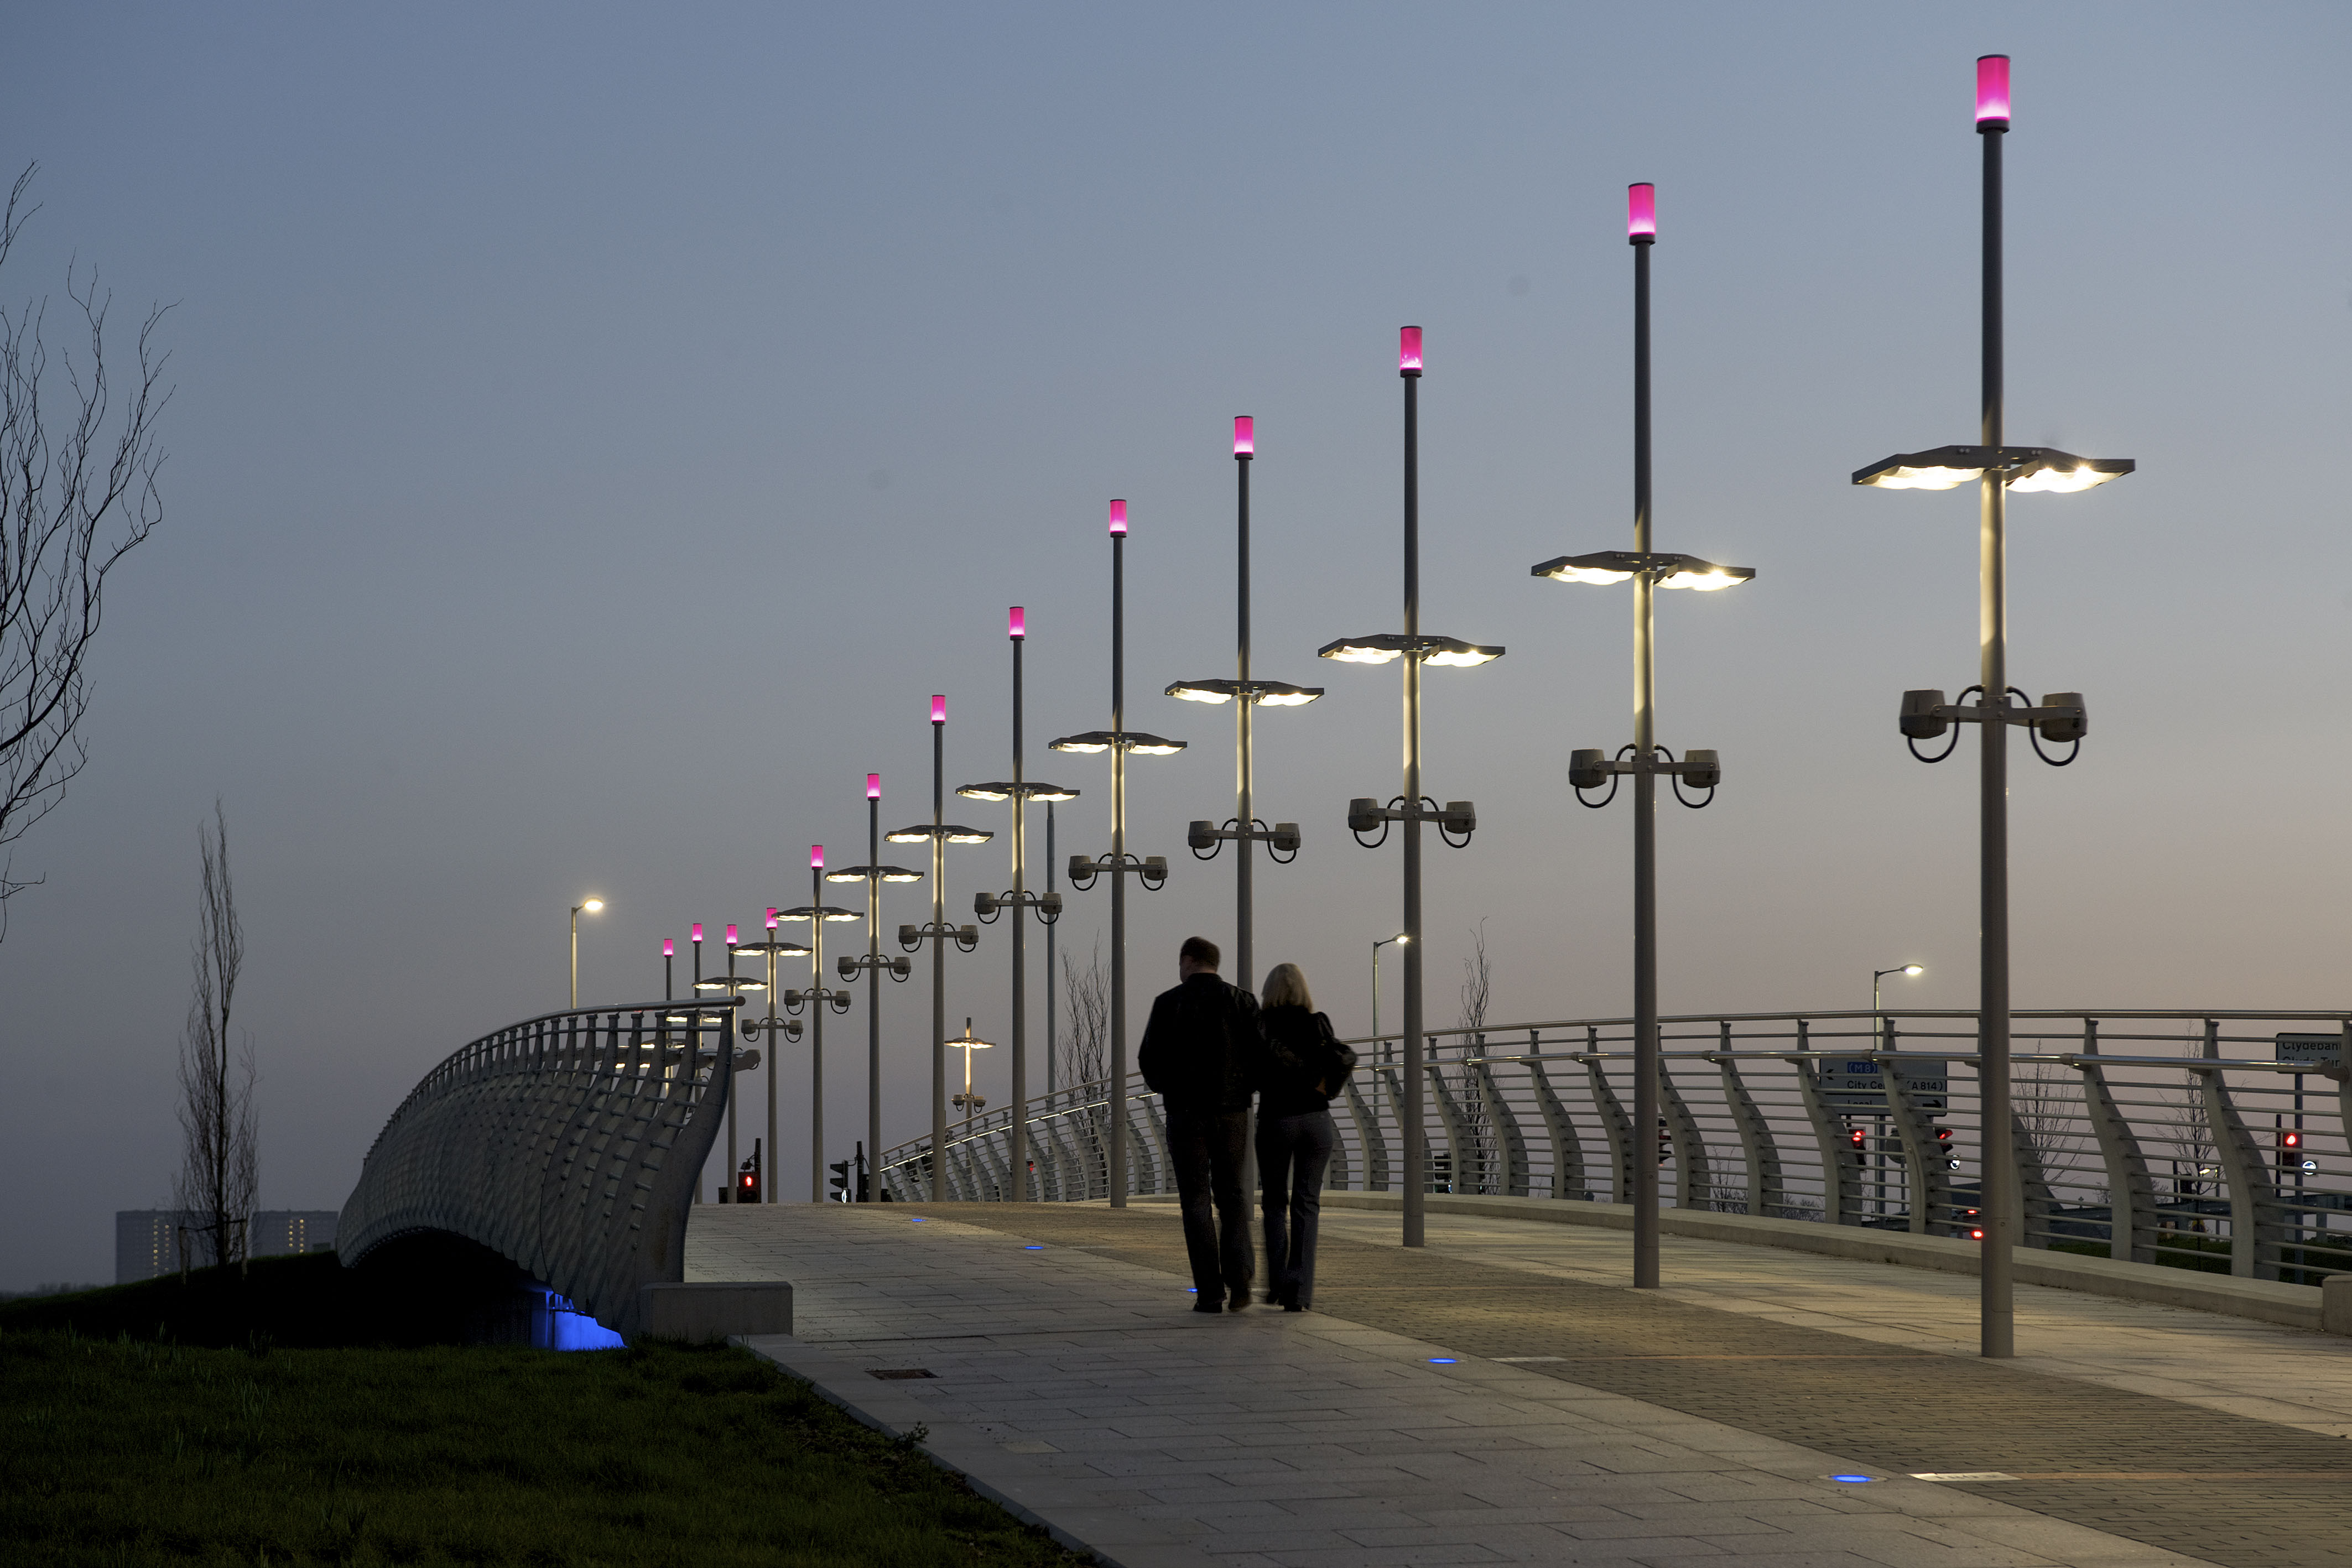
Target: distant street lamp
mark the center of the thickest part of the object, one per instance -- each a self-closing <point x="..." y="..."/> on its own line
<point x="969" y="1102"/>
<point x="590" y="906"/>
<point x="776" y="1028"/>
<point x="1877" y="1029"/>
<point x="1410" y="808"/>
<point x="1402" y="940"/>
<point x="1246" y="695"/>
<point x="873" y="873"/>
<point x="1023" y="794"/>
<point x="1118" y="865"/>
<point x="816" y="998"/>
<point x="1648" y="570"/>
<point x="2062" y="718"/>
<point x="939" y="833"/>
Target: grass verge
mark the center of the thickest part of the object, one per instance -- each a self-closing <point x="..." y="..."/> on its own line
<point x="123" y="1451"/>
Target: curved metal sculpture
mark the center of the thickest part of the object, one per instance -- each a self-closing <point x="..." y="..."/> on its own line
<point x="568" y="1144"/>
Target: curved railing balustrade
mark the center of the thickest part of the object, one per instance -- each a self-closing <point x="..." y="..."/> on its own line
<point x="2209" y="1140"/>
<point x="568" y="1143"/>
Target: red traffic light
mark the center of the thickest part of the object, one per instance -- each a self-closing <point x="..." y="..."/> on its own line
<point x="2290" y="1140"/>
<point x="1857" y="1137"/>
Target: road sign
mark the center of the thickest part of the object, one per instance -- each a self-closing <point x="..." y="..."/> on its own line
<point x="1854" y="1083"/>
<point x="2320" y="1053"/>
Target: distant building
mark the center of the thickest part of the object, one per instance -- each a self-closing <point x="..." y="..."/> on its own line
<point x="147" y="1240"/>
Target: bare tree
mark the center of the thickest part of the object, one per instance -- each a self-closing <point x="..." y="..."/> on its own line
<point x="220" y="1171"/>
<point x="1478" y="992"/>
<point x="77" y="494"/>
<point x="1085" y="1043"/>
<point x="1085" y="1048"/>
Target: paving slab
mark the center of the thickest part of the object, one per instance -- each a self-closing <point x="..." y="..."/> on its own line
<point x="1072" y="1384"/>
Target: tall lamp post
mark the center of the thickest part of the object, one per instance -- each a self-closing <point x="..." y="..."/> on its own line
<point x="1402" y="940"/>
<point x="1649" y="570"/>
<point x="1877" y="1026"/>
<point x="2060" y="719"/>
<point x="873" y="873"/>
<point x="1411" y="808"/>
<point x="589" y="906"/>
<point x="1246" y="695"/>
<point x="816" y="998"/>
<point x="939" y="833"/>
<point x="1023" y="794"/>
<point x="777" y="1030"/>
<point x="733" y="986"/>
<point x="1118" y="865"/>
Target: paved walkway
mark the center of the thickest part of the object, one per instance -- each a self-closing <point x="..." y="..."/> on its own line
<point x="1574" y="1422"/>
<point x="2245" y="1368"/>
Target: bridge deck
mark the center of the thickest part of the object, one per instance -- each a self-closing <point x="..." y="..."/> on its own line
<point x="1582" y="1422"/>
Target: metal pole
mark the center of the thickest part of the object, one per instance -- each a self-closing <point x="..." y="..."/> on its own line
<point x="1997" y="1333"/>
<point x="1645" y="1174"/>
<point x="1018" y="1138"/>
<point x="1050" y="1066"/>
<point x="1376" y="995"/>
<point x="1416" y="1181"/>
<point x="1245" y="971"/>
<point x="1117" y="1176"/>
<point x="816" y="1027"/>
<point x="575" y="957"/>
<point x="775" y="1054"/>
<point x="872" y="981"/>
<point x="938" y="965"/>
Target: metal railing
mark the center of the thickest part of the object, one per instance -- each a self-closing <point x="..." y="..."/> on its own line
<point x="570" y="1144"/>
<point x="2213" y="1141"/>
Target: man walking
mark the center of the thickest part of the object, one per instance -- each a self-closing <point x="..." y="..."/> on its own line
<point x="1199" y="1053"/>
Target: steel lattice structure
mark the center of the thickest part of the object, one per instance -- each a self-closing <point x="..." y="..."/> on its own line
<point x="569" y="1144"/>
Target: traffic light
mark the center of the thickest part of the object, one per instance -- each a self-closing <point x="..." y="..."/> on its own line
<point x="747" y="1176"/>
<point x="839" y="1180"/>
<point x="1943" y="1147"/>
<point x="2290" y="1143"/>
<point x="1857" y="1140"/>
<point x="1665" y="1143"/>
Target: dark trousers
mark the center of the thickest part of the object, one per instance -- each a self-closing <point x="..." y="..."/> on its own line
<point x="1293" y="1153"/>
<point x="1206" y="1148"/>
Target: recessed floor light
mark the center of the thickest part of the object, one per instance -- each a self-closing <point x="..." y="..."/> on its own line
<point x="1855" y="1481"/>
<point x="1035" y="1247"/>
<point x="1444" y="1360"/>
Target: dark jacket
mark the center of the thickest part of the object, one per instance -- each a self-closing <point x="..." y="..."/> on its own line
<point x="1200" y="1050"/>
<point x="1303" y="1063"/>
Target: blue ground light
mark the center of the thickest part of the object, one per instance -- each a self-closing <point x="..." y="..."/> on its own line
<point x="1035" y="1247"/>
<point x="1446" y="1361"/>
<point x="1855" y="1481"/>
<point x="917" y="1219"/>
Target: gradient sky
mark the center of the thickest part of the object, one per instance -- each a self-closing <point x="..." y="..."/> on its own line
<point x="599" y="431"/>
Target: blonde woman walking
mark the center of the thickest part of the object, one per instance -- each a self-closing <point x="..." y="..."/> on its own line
<point x="1303" y="1066"/>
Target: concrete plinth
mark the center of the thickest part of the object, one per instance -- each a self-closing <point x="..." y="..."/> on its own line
<point x="701" y="1314"/>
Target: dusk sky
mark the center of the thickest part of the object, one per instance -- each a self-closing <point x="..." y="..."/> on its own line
<point x="599" y="431"/>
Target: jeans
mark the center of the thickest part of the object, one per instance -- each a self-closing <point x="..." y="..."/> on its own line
<point x="1206" y="1148"/>
<point x="1293" y="1153"/>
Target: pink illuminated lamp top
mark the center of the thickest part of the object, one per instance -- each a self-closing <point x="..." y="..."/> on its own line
<point x="697" y="931"/>
<point x="1641" y="214"/>
<point x="1244" y="436"/>
<point x="670" y="948"/>
<point x="1408" y="351"/>
<point x="1118" y="519"/>
<point x="1016" y="623"/>
<point x="771" y="920"/>
<point x="816" y="857"/>
<point x="873" y="786"/>
<point x="1992" y="91"/>
<point x="939" y="709"/>
<point x="731" y="936"/>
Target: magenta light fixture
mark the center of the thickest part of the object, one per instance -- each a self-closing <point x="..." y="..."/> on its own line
<point x="697" y="931"/>
<point x="1641" y="214"/>
<point x="816" y="857"/>
<point x="1408" y="351"/>
<point x="730" y="937"/>
<point x="1244" y="436"/>
<point x="939" y="709"/>
<point x="1018" y="623"/>
<point x="1118" y="517"/>
<point x="669" y="947"/>
<point x="771" y="920"/>
<point x="1992" y="91"/>
<point x="873" y="786"/>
